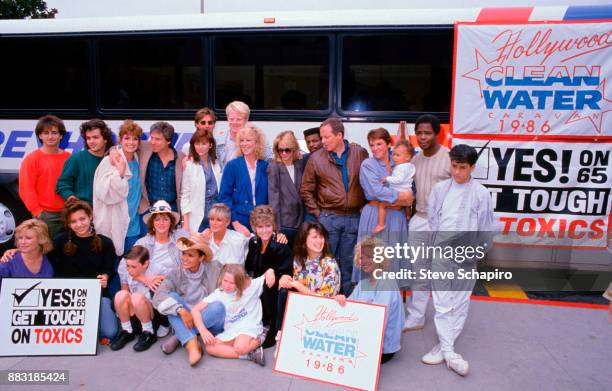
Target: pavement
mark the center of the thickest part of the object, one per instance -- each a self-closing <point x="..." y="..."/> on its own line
<point x="510" y="346"/>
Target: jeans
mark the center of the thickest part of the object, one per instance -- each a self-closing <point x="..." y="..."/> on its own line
<point x="342" y="231"/>
<point x="107" y="327"/>
<point x="213" y="317"/>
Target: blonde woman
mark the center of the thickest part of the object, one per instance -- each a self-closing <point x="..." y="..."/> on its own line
<point x="237" y="113"/>
<point x="244" y="184"/>
<point x="228" y="148"/>
<point x="284" y="181"/>
<point x="29" y="260"/>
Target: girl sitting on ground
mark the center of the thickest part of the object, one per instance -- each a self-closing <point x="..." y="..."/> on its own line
<point x="243" y="330"/>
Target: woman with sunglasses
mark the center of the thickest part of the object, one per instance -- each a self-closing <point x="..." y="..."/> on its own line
<point x="201" y="180"/>
<point x="205" y="121"/>
<point x="284" y="181"/>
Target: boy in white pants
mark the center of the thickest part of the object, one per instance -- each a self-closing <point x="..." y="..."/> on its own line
<point x="460" y="209"/>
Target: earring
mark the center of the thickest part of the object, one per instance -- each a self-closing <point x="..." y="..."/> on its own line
<point x="92" y="229"/>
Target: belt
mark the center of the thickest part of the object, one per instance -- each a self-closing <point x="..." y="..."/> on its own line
<point x="342" y="212"/>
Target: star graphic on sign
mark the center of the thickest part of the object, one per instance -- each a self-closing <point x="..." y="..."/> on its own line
<point x="596" y="117"/>
<point x="478" y="72"/>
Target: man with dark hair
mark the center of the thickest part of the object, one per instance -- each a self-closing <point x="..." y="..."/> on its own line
<point x="460" y="210"/>
<point x="332" y="193"/>
<point x="313" y="139"/>
<point x="161" y="171"/>
<point x="432" y="166"/>
<point x="40" y="171"/>
<point x="313" y="142"/>
<point x="76" y="180"/>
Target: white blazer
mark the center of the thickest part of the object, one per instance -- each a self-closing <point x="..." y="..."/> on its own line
<point x="110" y="208"/>
<point x="193" y="192"/>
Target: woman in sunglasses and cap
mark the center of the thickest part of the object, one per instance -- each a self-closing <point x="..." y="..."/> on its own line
<point x="184" y="288"/>
<point x="160" y="240"/>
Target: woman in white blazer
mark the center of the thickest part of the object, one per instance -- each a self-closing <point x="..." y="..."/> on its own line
<point x="201" y="180"/>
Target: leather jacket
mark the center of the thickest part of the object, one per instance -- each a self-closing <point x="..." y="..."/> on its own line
<point x="322" y="187"/>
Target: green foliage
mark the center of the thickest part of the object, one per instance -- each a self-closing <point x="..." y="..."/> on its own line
<point x="22" y="9"/>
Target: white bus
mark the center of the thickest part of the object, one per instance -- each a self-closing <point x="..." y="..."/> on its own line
<point x="294" y="69"/>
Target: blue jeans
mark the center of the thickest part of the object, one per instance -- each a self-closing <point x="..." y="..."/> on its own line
<point x="107" y="326"/>
<point x="342" y="230"/>
<point x="213" y="317"/>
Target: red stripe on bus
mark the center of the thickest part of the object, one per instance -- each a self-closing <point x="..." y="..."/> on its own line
<point x="542" y="302"/>
<point x="508" y="14"/>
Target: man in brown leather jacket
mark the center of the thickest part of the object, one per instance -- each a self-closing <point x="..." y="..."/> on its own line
<point x="332" y="193"/>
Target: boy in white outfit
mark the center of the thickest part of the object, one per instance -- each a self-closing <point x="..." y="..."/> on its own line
<point x="460" y="209"/>
<point x="400" y="180"/>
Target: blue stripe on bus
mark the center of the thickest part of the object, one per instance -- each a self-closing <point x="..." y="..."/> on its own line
<point x="580" y="12"/>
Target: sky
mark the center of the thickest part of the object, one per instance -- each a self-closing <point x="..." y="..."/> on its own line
<point x="94" y="8"/>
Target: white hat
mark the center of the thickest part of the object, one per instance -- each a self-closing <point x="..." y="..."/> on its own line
<point x="160" y="206"/>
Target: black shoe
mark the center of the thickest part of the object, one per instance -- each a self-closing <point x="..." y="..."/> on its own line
<point x="145" y="341"/>
<point x="270" y="340"/>
<point x="123" y="338"/>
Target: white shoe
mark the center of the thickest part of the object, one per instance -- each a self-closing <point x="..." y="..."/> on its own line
<point x="410" y="326"/>
<point x="162" y="331"/>
<point x="455" y="362"/>
<point x="434" y="357"/>
<point x="277" y="338"/>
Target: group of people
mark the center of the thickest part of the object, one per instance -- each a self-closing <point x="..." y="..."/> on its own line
<point x="208" y="241"/>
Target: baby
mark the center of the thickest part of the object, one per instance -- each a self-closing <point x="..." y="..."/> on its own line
<point x="400" y="180"/>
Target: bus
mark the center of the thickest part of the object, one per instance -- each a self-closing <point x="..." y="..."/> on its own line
<point x="371" y="68"/>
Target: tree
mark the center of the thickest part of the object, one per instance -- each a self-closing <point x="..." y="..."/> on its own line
<point x="21" y="9"/>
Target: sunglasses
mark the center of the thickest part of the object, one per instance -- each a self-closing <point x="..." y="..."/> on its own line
<point x="206" y="122"/>
<point x="285" y="150"/>
<point x="161" y="208"/>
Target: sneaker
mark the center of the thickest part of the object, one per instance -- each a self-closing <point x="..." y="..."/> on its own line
<point x="122" y="339"/>
<point x="433" y="357"/>
<point x="257" y="356"/>
<point x="170" y="345"/>
<point x="277" y="339"/>
<point x="145" y="341"/>
<point x="455" y="362"/>
<point x="262" y="335"/>
<point x="408" y="326"/>
<point x="162" y="331"/>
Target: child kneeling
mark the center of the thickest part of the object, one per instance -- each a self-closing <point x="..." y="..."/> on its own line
<point x="134" y="299"/>
<point x="242" y="333"/>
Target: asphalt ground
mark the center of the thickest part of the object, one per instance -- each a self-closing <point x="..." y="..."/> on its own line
<point x="510" y="345"/>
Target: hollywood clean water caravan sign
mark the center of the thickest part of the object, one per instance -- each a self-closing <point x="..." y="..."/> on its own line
<point x="324" y="341"/>
<point x="40" y="317"/>
<point x="541" y="94"/>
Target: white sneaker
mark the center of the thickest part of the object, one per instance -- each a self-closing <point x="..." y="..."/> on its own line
<point x="455" y="362"/>
<point x="277" y="338"/>
<point x="162" y="331"/>
<point x="434" y="357"/>
<point x="410" y="326"/>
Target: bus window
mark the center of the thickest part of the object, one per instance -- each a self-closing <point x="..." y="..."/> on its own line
<point x="44" y="74"/>
<point x="150" y="73"/>
<point x="272" y="72"/>
<point x="397" y="72"/>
